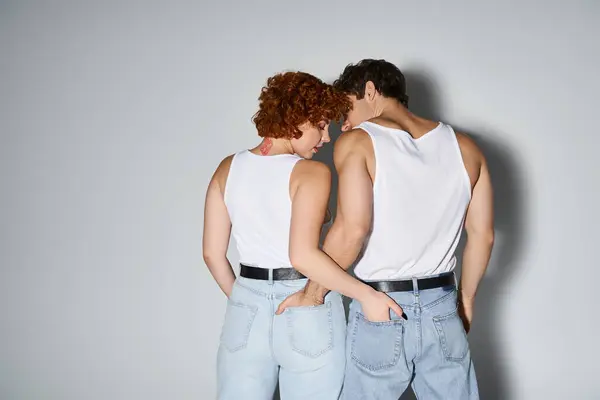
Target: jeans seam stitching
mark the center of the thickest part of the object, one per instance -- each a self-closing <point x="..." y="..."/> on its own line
<point x="251" y="289"/>
<point x="442" y="337"/>
<point x="439" y="300"/>
<point x="397" y="345"/>
<point x="248" y="328"/>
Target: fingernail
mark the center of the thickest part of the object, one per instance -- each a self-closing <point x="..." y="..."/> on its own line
<point x="404" y="316"/>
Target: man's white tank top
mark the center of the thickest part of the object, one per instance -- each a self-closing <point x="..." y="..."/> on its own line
<point x="421" y="194"/>
<point x="257" y="196"/>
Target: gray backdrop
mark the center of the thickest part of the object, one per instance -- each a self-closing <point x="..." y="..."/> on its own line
<point x="113" y="116"/>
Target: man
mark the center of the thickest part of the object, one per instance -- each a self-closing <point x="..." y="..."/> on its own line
<point x="407" y="186"/>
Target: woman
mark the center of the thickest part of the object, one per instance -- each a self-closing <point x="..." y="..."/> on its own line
<point x="273" y="199"/>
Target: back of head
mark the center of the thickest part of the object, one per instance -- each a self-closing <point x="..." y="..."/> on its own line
<point x="291" y="99"/>
<point x="387" y="78"/>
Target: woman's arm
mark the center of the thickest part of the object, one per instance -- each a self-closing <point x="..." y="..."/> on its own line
<point x="309" y="203"/>
<point x="217" y="229"/>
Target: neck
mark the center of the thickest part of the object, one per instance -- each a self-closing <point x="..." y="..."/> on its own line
<point x="272" y="147"/>
<point x="392" y="110"/>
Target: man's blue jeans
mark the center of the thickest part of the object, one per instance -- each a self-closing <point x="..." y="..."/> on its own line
<point x="430" y="349"/>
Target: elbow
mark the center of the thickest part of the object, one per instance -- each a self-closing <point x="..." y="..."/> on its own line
<point x="298" y="263"/>
<point x="347" y="231"/>
<point x="345" y="238"/>
<point x="299" y="260"/>
<point x="210" y="257"/>
<point x="488" y="237"/>
<point x="484" y="236"/>
<point x="356" y="234"/>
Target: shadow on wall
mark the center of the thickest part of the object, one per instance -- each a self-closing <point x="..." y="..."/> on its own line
<point x="509" y="202"/>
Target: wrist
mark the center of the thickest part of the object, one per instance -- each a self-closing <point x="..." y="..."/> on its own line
<point x="465" y="297"/>
<point x="317" y="295"/>
<point x="365" y="293"/>
<point x="317" y="298"/>
<point x="321" y="293"/>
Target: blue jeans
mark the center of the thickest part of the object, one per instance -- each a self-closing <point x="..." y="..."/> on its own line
<point x="429" y="350"/>
<point x="303" y="348"/>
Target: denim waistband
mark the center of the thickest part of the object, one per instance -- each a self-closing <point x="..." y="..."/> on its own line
<point x="275" y="289"/>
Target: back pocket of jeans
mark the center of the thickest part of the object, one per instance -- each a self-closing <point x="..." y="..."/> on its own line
<point x="452" y="335"/>
<point x="376" y="345"/>
<point x="310" y="329"/>
<point x="238" y="323"/>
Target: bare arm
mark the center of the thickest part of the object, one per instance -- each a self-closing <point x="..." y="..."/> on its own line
<point x="309" y="203"/>
<point x="479" y="226"/>
<point x="217" y="230"/>
<point x="352" y="222"/>
<point x="308" y="211"/>
<point x="355" y="201"/>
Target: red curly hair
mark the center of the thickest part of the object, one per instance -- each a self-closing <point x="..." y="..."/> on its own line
<point x="292" y="98"/>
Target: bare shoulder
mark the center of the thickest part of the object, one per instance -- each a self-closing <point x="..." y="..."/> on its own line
<point x="311" y="168"/>
<point x="472" y="156"/>
<point x="224" y="166"/>
<point x="310" y="174"/>
<point x="222" y="172"/>
<point x="355" y="141"/>
<point x="353" y="137"/>
<point x="469" y="147"/>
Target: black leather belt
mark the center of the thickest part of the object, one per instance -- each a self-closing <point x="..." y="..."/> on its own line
<point x="279" y="274"/>
<point x="407" y="285"/>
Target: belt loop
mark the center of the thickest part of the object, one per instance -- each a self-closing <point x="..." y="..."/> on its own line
<point x="415" y="286"/>
<point x="270" y="276"/>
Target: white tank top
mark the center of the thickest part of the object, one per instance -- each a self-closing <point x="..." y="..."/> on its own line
<point x="421" y="194"/>
<point x="257" y="196"/>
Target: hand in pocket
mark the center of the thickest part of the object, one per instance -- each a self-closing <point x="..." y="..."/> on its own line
<point x="376" y="307"/>
<point x="298" y="299"/>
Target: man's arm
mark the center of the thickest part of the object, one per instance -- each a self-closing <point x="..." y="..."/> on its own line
<point x="479" y="225"/>
<point x="309" y="204"/>
<point x="217" y="229"/>
<point x="354" y="215"/>
<point x="352" y="222"/>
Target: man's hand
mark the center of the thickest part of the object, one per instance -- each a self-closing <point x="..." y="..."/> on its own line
<point x="377" y="305"/>
<point x="465" y="311"/>
<point x="299" y="299"/>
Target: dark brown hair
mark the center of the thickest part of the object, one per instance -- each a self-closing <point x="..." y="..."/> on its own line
<point x="387" y="78"/>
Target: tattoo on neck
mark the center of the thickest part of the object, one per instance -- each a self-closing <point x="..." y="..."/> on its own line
<point x="265" y="146"/>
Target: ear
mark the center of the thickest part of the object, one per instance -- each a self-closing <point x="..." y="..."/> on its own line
<point x="346" y="126"/>
<point x="370" y="91"/>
